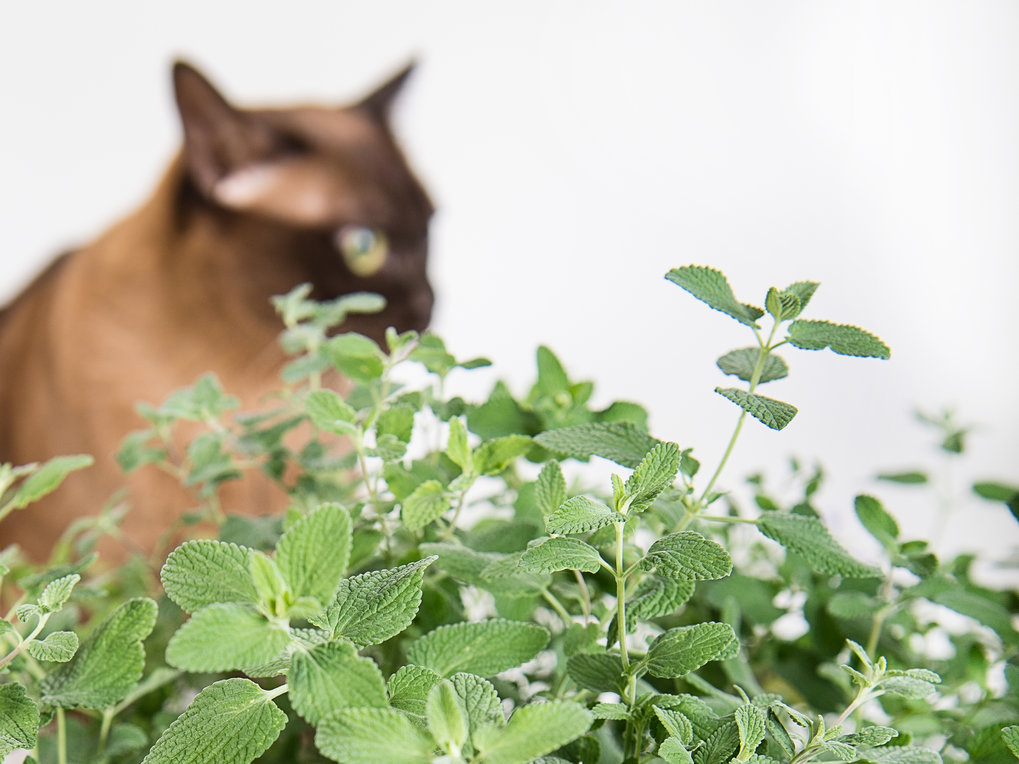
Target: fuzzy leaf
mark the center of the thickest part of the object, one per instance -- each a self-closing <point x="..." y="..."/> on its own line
<point x="532" y="731"/>
<point x="446" y="716"/>
<point x="676" y="724"/>
<point x="371" y="735"/>
<point x="19" y="719"/>
<point x="656" y="472"/>
<point x="356" y="356"/>
<point x="457" y="449"/>
<point x="232" y="721"/>
<point x="550" y="489"/>
<point x="740" y="363"/>
<point x="333" y="676"/>
<point x="807" y="537"/>
<point x="803" y="290"/>
<point x="673" y="752"/>
<point x="493" y="456"/>
<point x="710" y="286"/>
<point x="841" y="338"/>
<point x="750" y="723"/>
<point x="876" y="520"/>
<point x="598" y="672"/>
<point x="224" y="637"/>
<point x="869" y="736"/>
<point x="409" y="687"/>
<point x="484" y="648"/>
<point x="480" y="700"/>
<point x="841" y="751"/>
<point x="560" y="553"/>
<point x="768" y="411"/>
<point x="579" y="515"/>
<point x="621" y="442"/>
<point x="370" y="608"/>
<point x="686" y="648"/>
<point x="313" y="552"/>
<point x="689" y="556"/>
<point x="425" y="505"/>
<point x="331" y="413"/>
<point x="1011" y="737"/>
<point x="56" y="592"/>
<point x="202" y="573"/>
<point x="896" y="754"/>
<point x="782" y="305"/>
<point x="47" y="478"/>
<point x="58" y="647"/>
<point x="657" y="596"/>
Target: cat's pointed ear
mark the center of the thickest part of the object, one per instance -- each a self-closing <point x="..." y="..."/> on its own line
<point x="218" y="139"/>
<point x="379" y="102"/>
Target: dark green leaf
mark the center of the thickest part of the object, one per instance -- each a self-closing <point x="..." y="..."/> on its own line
<point x="807" y="537"/>
<point x="741" y="363"/>
<point x="710" y="286"/>
<point x="876" y="520"/>
<point x="686" y="648"/>
<point x="768" y="411"/>
<point x="687" y="555"/>
<point x="579" y="515"/>
<point x="841" y="338"/>
<point x="621" y="442"/>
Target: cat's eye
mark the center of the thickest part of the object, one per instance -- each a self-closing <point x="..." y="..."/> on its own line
<point x="364" y="249"/>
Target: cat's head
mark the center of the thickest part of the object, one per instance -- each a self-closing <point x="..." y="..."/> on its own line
<point x="332" y="179"/>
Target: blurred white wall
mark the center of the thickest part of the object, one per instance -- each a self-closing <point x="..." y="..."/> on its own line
<point x="578" y="150"/>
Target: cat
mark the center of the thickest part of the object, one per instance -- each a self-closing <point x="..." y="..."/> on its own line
<point x="256" y="202"/>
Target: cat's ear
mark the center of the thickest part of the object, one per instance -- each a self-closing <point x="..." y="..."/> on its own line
<point x="218" y="139"/>
<point x="379" y="102"/>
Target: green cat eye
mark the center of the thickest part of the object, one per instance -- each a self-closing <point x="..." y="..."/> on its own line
<point x="364" y="249"/>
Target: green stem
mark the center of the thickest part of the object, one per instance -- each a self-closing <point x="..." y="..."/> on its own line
<point x="880" y="615"/>
<point x="283" y="688"/>
<point x="585" y="595"/>
<point x="24" y="643"/>
<point x="726" y="519"/>
<point x="621" y="597"/>
<point x="552" y="600"/>
<point x="61" y="737"/>
<point x="104" y="731"/>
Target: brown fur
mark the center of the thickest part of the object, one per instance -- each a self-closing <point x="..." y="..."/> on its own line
<point x="249" y="209"/>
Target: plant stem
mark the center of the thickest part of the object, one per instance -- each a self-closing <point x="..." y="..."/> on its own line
<point x="552" y="600"/>
<point x="104" y="731"/>
<point x="585" y="595"/>
<point x="621" y="597"/>
<point x="24" y="643"/>
<point x="61" y="737"/>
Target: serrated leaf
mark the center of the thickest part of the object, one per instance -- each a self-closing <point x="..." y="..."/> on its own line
<point x="333" y="676"/>
<point x="224" y="637"/>
<point x="782" y="305"/>
<point x="579" y="515"/>
<point x="398" y="421"/>
<point x="467" y="565"/>
<point x="232" y="721"/>
<point x="841" y="338"/>
<point x="907" y="687"/>
<point x="807" y="537"/>
<point x="265" y="573"/>
<point x="480" y="700"/>
<point x="457" y="448"/>
<point x="750" y="723"/>
<point x="426" y="504"/>
<point x="598" y="672"/>
<point x="331" y="413"/>
<point x="876" y="520"/>
<point x="740" y="363"/>
<point x="56" y="592"/>
<point x="656" y="472"/>
<point x="58" y="647"/>
<point x="47" y="478"/>
<point x="720" y="745"/>
<point x="870" y="736"/>
<point x="686" y="648"/>
<point x="768" y="411"/>
<point x="658" y="596"/>
<point x="201" y="573"/>
<point x="370" y="608"/>
<point x="313" y="552"/>
<point x="672" y="751"/>
<point x="355" y="356"/>
<point x="532" y="731"/>
<point x="803" y="290"/>
<point x="621" y="442"/>
<point x="1011" y="737"/>
<point x="108" y="664"/>
<point x="617" y="711"/>
<point x="710" y="286"/>
<point x="372" y="735"/>
<point x="841" y="751"/>
<point x="676" y="724"/>
<point x="19" y="719"/>
<point x="409" y="687"/>
<point x="550" y="488"/>
<point x="896" y="754"/>
<point x="493" y="456"/>
<point x="560" y="553"/>
<point x="484" y="648"/>
<point x="689" y="556"/>
<point x="446" y="716"/>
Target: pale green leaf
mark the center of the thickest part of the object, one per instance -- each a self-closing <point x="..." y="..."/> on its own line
<point x="616" y="711"/>
<point x="313" y="552"/>
<point x="484" y="648"/>
<point x="480" y="700"/>
<point x="687" y="555"/>
<point x="852" y="605"/>
<point x="710" y="286"/>
<point x="782" y="305"/>
<point x="657" y="596"/>
<point x="203" y="572"/>
<point x="741" y="363"/>
<point x="19" y="719"/>
<point x="493" y="456"/>
<point x="397" y="421"/>
<point x="907" y="687"/>
<point x="532" y="731"/>
<point x="720" y="745"/>
<point x="876" y="520"/>
<point x="807" y="537"/>
<point x="750" y="723"/>
<point x="409" y="687"/>
<point x="457" y="449"/>
<point x="768" y="411"/>
<point x="446" y="716"/>
<point x="579" y="515"/>
<point x="487" y="570"/>
<point x="560" y="553"/>
<point x="686" y="648"/>
<point x="1011" y="737"/>
<point x="874" y="736"/>
<point x="355" y="356"/>
<point x="904" y="478"/>
<point x="672" y="751"/>
<point x="841" y="751"/>
<point x="373" y="736"/>
<point x="621" y="442"/>
<point x="656" y="472"/>
<point x="426" y="504"/>
<point x="56" y="592"/>
<point x="333" y="676"/>
<point x="47" y="478"/>
<point x="331" y="413"/>
<point x="598" y="672"/>
<point x="224" y="637"/>
<point x="841" y="338"/>
<point x="899" y="754"/>
<point x="58" y="647"/>
<point x="232" y="721"/>
<point x="268" y="580"/>
<point x="676" y="724"/>
<point x="550" y="489"/>
<point x="803" y="290"/>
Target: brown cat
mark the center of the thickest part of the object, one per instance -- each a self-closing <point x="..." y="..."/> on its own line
<point x="256" y="202"/>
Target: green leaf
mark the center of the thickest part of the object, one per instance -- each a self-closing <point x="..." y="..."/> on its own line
<point x="331" y="677"/>
<point x="330" y="413"/>
<point x="372" y="735"/>
<point x="58" y="647"/>
<point x="355" y="356"/>
<point x="457" y="448"/>
<point x="532" y="731"/>
<point x="598" y="672"/>
<point x="19" y="719"/>
<point x="807" y="537"/>
<point x="852" y="605"/>
<point x="710" y="286"/>
<point x="768" y="411"/>
<point x="201" y="573"/>
<point x="899" y="754"/>
<point x="877" y="521"/>
<point x="621" y="442"/>
<point x="579" y="515"/>
<point x="995" y="491"/>
<point x="841" y="751"/>
<point x="446" y="716"/>
<point x="273" y="593"/>
<point x="841" y="338"/>
<point x="656" y="472"/>
<point x="905" y="478"/>
<point x="203" y="400"/>
<point x="47" y="478"/>
<point x="803" y="290"/>
<point x="409" y="688"/>
<point x="232" y="721"/>
<point x="398" y="421"/>
<point x="484" y="648"/>
<point x="425" y="505"/>
<point x="560" y="553"/>
<point x="676" y="724"/>
<point x="108" y="664"/>
<point x="56" y="593"/>
<point x="782" y="305"/>
<point x="686" y="648"/>
<point x="689" y="556"/>
<point x="550" y="488"/>
<point x="313" y="552"/>
<point x="657" y="596"/>
<point x="740" y="363"/>
<point x="370" y="608"/>
<point x="673" y="752"/>
<point x="750" y="723"/>
<point x="869" y="736"/>
<point x="480" y="700"/>
<point x="616" y="711"/>
<point x="224" y="637"/>
<point x="1009" y="734"/>
<point x="493" y="456"/>
<point x="486" y="570"/>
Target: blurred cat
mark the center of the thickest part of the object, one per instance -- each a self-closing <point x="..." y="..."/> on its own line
<point x="256" y="202"/>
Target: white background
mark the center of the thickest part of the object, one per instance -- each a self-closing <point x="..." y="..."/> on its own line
<point x="578" y="150"/>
